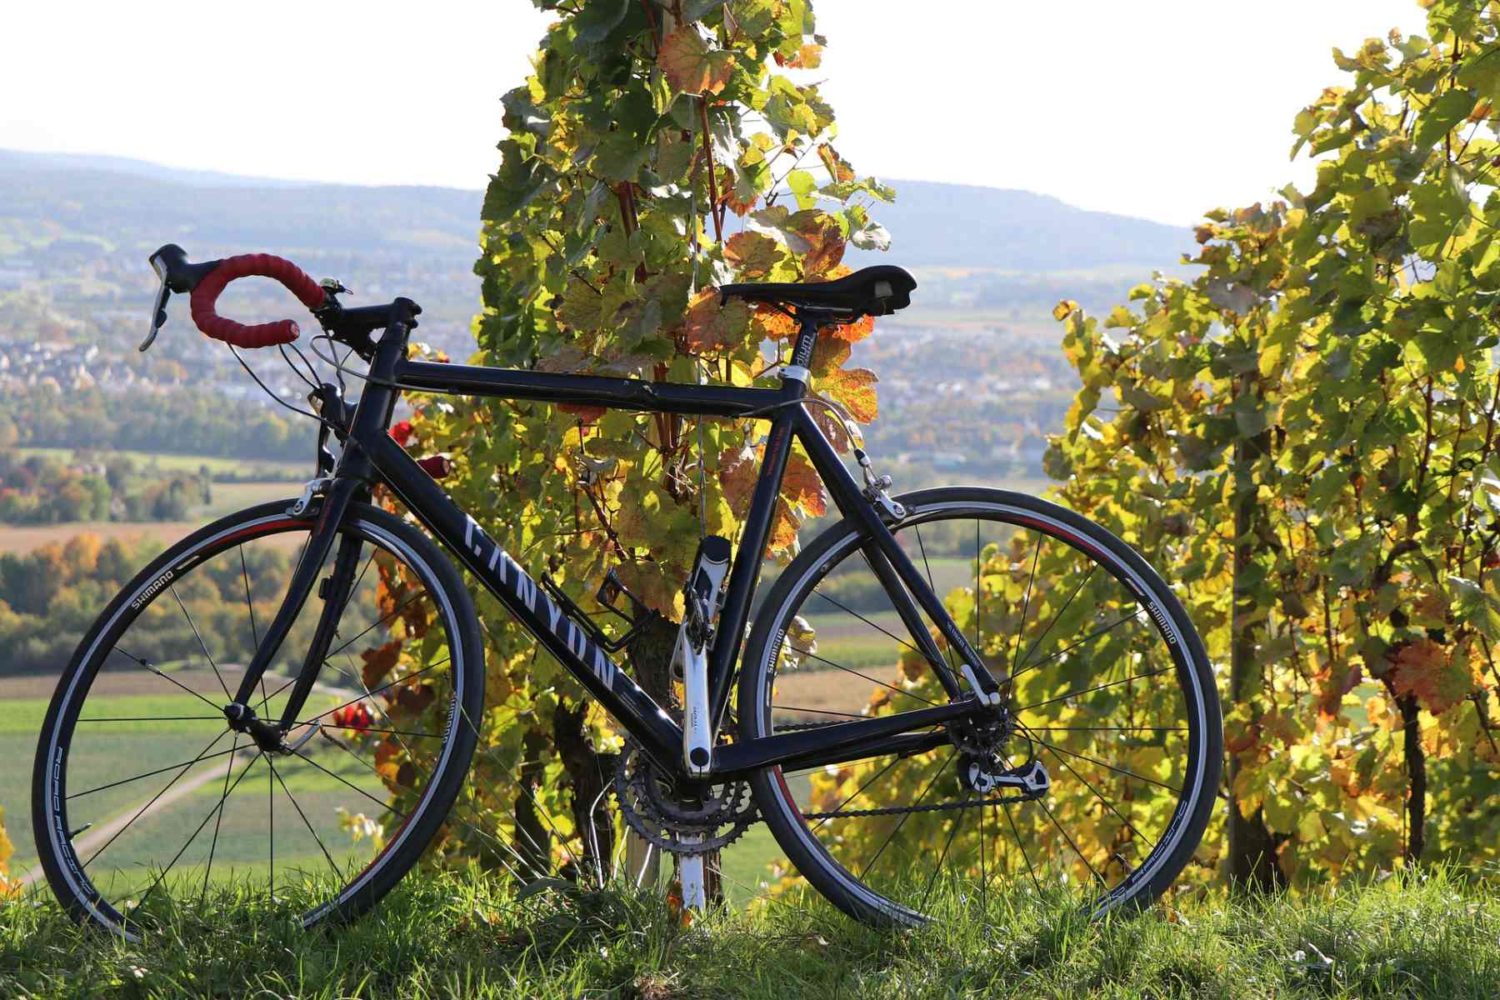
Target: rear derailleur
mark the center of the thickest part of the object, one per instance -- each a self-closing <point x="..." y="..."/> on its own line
<point x="984" y="764"/>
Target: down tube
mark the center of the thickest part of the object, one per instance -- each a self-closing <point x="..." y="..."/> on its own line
<point x="531" y="606"/>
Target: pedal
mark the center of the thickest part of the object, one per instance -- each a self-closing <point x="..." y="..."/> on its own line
<point x="703" y="593"/>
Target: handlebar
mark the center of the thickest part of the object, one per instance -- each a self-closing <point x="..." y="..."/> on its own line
<point x="206" y="281"/>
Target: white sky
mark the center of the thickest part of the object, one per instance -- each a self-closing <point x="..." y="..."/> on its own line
<point x="1156" y="108"/>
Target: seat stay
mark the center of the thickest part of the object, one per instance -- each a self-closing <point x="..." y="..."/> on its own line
<point x="909" y="587"/>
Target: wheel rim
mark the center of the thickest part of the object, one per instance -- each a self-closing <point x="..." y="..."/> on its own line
<point x="1108" y="702"/>
<point x="152" y="798"/>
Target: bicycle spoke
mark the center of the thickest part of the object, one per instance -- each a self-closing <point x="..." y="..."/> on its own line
<point x="155" y="798"/>
<point x="157" y="718"/>
<point x="254" y="631"/>
<point x="201" y="644"/>
<point x="1057" y="615"/>
<point x="867" y="621"/>
<point x="1084" y="691"/>
<point x="341" y="778"/>
<point x="1031" y="870"/>
<point x="219" y="820"/>
<point x="1107" y="804"/>
<point x="857" y="792"/>
<point x="1026" y="606"/>
<point x="927" y="566"/>
<point x="384" y="687"/>
<point x="906" y="816"/>
<point x="856" y="673"/>
<point x="378" y="622"/>
<point x="140" y="903"/>
<point x="948" y="846"/>
<point x="1111" y="767"/>
<point x="146" y="774"/>
<point x="1071" y="844"/>
<point x="295" y="805"/>
<point x="979" y="592"/>
<point x="1107" y="729"/>
<point x="1086" y="639"/>
<point x="172" y="680"/>
<point x="817" y="711"/>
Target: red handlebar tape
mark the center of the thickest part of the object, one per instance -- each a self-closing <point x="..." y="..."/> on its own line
<point x="263" y="334"/>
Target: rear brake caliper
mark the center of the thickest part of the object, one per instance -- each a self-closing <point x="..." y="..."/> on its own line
<point x="877" y="489"/>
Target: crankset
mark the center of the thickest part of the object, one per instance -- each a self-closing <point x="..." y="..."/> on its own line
<point x="712" y="817"/>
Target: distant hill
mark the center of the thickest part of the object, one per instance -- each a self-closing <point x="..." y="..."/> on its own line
<point x="136" y="204"/>
<point x="960" y="225"/>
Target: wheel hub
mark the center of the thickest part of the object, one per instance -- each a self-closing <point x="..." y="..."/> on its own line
<point x="268" y="737"/>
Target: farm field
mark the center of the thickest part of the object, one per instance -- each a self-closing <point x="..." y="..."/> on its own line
<point x="240" y="467"/>
<point x="145" y="724"/>
<point x="227" y="497"/>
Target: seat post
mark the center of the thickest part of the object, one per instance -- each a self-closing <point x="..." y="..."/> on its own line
<point x="809" y="322"/>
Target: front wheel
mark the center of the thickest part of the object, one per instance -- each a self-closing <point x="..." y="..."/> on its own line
<point x="143" y="795"/>
<point x="1106" y="686"/>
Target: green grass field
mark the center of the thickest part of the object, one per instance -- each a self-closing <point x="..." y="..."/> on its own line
<point x="109" y="751"/>
<point x="130" y="748"/>
<point x="466" y="935"/>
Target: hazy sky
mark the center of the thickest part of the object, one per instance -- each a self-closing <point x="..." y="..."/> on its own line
<point x="1157" y="108"/>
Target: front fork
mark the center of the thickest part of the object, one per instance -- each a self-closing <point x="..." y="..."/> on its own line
<point x="335" y="592"/>
<point x="349" y="484"/>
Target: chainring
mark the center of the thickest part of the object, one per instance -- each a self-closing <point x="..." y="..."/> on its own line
<point x="673" y="824"/>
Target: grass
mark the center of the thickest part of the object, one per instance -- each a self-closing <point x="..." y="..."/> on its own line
<point x="457" y="934"/>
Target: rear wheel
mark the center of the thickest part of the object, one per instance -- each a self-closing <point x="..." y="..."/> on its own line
<point x="143" y="795"/>
<point x="1106" y="686"/>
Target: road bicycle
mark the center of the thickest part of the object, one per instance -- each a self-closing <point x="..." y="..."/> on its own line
<point x="964" y="689"/>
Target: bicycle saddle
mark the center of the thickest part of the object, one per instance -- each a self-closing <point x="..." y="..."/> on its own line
<point x="870" y="291"/>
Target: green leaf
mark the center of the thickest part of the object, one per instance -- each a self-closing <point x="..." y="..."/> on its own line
<point x="597" y="19"/>
<point x="1443" y="115"/>
<point x="802" y="185"/>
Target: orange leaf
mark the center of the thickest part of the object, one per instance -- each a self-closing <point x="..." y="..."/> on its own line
<point x="737" y="474"/>
<point x="838" y="168"/>
<point x="379" y="661"/>
<point x="690" y="66"/>
<point x="710" y="326"/>
<point x="754" y="254"/>
<point x="1425" y="669"/>
<point x="803" y="486"/>
<point x="855" y="389"/>
<point x="773" y="325"/>
<point x="825" y="241"/>
<point x="854" y="332"/>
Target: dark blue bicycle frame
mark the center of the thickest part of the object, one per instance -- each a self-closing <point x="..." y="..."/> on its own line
<point x="370" y="456"/>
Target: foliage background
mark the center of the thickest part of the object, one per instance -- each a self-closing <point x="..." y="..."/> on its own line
<point x="658" y="149"/>
<point x="1304" y="436"/>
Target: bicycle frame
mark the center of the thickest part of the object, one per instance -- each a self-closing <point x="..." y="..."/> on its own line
<point x="370" y="455"/>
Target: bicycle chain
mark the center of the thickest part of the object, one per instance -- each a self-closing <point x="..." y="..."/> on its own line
<point x="898" y="810"/>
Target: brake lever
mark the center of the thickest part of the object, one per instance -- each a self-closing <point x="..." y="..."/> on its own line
<point x="160" y="265"/>
<point x="156" y="324"/>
